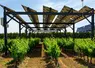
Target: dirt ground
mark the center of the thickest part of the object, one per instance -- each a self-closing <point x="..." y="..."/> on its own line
<point x="37" y="59"/>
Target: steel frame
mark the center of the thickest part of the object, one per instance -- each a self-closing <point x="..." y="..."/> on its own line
<point x="48" y="13"/>
<point x="42" y="13"/>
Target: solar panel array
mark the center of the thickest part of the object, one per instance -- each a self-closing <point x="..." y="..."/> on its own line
<point x="54" y="18"/>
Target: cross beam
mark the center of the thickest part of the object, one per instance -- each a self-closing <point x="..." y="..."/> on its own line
<point x="48" y="13"/>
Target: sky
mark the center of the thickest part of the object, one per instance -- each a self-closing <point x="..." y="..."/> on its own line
<point x="38" y="6"/>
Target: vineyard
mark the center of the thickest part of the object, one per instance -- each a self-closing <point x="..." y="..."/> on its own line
<point x="44" y="41"/>
<point x="55" y="50"/>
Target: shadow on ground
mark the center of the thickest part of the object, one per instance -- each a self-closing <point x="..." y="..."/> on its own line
<point x="81" y="61"/>
<point x="49" y="62"/>
<point x="35" y="52"/>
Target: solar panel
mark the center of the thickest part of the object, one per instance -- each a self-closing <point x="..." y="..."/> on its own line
<point x="48" y="18"/>
<point x="33" y="18"/>
<point x="60" y="18"/>
<point x="71" y="18"/>
<point x="17" y="16"/>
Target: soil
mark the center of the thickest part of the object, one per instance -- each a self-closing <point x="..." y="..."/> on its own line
<point x="38" y="59"/>
<point x="72" y="61"/>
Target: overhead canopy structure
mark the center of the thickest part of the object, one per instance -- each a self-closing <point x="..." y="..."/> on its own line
<point x="34" y="18"/>
<point x="48" y="18"/>
<point x="63" y="18"/>
<point x="85" y="9"/>
<point x="17" y="16"/>
<point x="71" y="18"/>
<point x="53" y="19"/>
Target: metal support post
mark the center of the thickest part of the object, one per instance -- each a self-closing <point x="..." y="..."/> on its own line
<point x="73" y="32"/>
<point x="5" y="31"/>
<point x="26" y="31"/>
<point x="92" y="25"/>
<point x="65" y="33"/>
<point x="19" y="30"/>
<point x="29" y="33"/>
